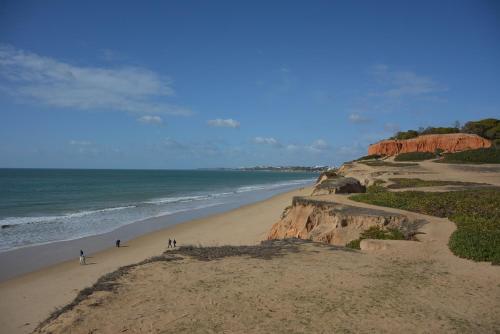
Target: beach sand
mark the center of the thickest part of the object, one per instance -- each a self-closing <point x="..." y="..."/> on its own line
<point x="29" y="299"/>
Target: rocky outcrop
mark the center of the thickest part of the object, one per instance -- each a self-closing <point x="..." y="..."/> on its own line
<point x="331" y="222"/>
<point x="326" y="175"/>
<point x="338" y="185"/>
<point x="452" y="142"/>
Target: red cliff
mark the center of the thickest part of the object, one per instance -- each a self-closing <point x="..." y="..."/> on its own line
<point x="452" y="142"/>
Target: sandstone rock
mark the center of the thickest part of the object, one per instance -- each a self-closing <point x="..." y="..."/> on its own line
<point x="331" y="222"/>
<point x="325" y="175"/>
<point x="338" y="185"/>
<point x="452" y="142"/>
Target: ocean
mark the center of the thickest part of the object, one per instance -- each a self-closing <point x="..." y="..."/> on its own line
<point x="39" y="206"/>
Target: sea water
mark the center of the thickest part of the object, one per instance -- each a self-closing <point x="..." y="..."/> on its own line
<point x="40" y="206"/>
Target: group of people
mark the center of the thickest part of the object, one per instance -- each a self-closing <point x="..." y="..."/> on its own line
<point x="82" y="255"/>
<point x="171" y="244"/>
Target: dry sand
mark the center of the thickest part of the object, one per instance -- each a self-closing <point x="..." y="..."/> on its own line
<point x="29" y="299"/>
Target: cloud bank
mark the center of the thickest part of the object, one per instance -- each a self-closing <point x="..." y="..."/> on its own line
<point x="54" y="83"/>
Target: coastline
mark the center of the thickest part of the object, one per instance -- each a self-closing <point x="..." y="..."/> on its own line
<point x="38" y="293"/>
<point x="22" y="260"/>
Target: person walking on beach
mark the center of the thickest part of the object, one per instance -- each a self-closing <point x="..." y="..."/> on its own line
<point x="82" y="257"/>
<point x="175" y="243"/>
<point x="169" y="243"/>
<point x="118" y="243"/>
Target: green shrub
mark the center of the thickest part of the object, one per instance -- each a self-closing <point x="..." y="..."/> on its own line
<point x="476" y="213"/>
<point x="370" y="157"/>
<point x="379" y="163"/>
<point x="487" y="128"/>
<point x="401" y="135"/>
<point x="493" y="133"/>
<point x="402" y="182"/>
<point x="415" y="156"/>
<point x="477" y="238"/>
<point x="376" y="232"/>
<point x="439" y="130"/>
<point x="376" y="187"/>
<point x="480" y="156"/>
<point x="354" y="244"/>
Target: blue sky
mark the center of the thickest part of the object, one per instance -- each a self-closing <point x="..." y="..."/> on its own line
<point x="188" y="84"/>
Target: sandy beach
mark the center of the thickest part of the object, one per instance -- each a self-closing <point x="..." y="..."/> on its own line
<point x="40" y="292"/>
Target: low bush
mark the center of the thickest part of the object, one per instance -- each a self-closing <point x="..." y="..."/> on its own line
<point x="399" y="183"/>
<point x="379" y="163"/>
<point x="415" y="156"/>
<point x="376" y="232"/>
<point x="377" y="186"/>
<point x="370" y="157"/>
<point x="401" y="135"/>
<point x="476" y="213"/>
<point x="438" y="130"/>
<point x="480" y="156"/>
<point x="486" y="128"/>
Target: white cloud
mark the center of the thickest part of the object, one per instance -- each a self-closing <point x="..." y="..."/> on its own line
<point x="267" y="141"/>
<point x="148" y="119"/>
<point x="404" y="83"/>
<point x="224" y="123"/>
<point x="357" y="118"/>
<point x="54" y="83"/>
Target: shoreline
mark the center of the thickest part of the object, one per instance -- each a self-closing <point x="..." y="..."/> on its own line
<point x="22" y="260"/>
<point x="38" y="293"/>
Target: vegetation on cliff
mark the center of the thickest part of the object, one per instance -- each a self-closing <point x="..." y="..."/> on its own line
<point x="378" y="163"/>
<point x="370" y="157"/>
<point x="475" y="212"/>
<point x="376" y="232"/>
<point x="415" y="156"/>
<point x="399" y="183"/>
<point x="488" y="128"/>
<point x="401" y="135"/>
<point x="480" y="156"/>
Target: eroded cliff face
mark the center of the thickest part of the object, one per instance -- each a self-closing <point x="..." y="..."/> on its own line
<point x="452" y="142"/>
<point x="330" y="222"/>
<point x="338" y="185"/>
